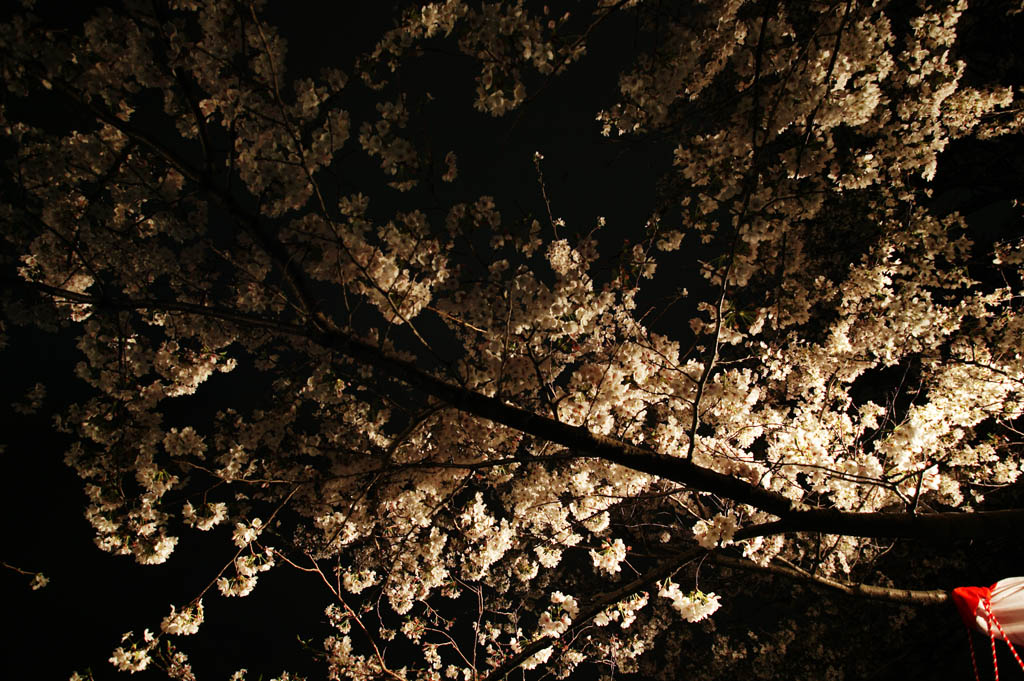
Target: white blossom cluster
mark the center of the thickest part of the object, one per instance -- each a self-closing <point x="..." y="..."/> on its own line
<point x="185" y="622"/>
<point x="715" y="532"/>
<point x="565" y="609"/>
<point x="137" y="656"/>
<point x="209" y="515"/>
<point x="694" y="606"/>
<point x="247" y="568"/>
<point x="358" y="581"/>
<point x="610" y="557"/>
<point x="245" y="533"/>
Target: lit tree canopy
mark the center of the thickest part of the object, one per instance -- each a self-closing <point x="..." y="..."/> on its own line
<point x="439" y="397"/>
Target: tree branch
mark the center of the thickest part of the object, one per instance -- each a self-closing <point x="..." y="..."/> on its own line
<point x="878" y="593"/>
<point x="942" y="526"/>
<point x="660" y="571"/>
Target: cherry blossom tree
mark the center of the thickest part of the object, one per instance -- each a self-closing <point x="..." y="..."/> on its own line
<point x="435" y="402"/>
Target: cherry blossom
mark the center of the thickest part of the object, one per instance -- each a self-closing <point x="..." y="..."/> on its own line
<point x="429" y="395"/>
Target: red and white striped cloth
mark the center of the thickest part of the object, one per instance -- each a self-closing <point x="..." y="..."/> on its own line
<point x="997" y="611"/>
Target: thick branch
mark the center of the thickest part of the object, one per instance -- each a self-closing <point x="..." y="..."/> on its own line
<point x="878" y="593"/>
<point x="944" y="526"/>
<point x="580" y="440"/>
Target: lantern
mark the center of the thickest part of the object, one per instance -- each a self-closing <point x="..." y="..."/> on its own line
<point x="997" y="611"/>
